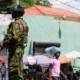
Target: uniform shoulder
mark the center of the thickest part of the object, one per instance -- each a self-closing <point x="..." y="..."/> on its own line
<point x="21" y="20"/>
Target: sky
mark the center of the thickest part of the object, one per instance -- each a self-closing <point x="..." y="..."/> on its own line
<point x="71" y="5"/>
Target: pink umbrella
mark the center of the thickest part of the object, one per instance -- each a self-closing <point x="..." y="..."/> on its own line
<point x="42" y="60"/>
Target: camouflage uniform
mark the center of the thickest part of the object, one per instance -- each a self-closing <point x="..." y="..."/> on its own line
<point x="17" y="37"/>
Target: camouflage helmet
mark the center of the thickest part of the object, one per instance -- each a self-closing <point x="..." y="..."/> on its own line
<point x="17" y="8"/>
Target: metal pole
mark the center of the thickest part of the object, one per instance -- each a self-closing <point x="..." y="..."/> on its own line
<point x="17" y="2"/>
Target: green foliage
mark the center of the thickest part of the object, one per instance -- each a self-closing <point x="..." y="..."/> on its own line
<point x="26" y="3"/>
<point x="5" y="5"/>
<point x="42" y="2"/>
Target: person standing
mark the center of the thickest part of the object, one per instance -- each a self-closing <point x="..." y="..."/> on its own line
<point x="15" y="41"/>
<point x="54" y="63"/>
<point x="3" y="71"/>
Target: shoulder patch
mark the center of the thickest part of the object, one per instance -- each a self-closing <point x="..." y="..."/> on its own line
<point x="17" y="26"/>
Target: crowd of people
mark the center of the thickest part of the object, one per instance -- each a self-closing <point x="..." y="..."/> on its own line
<point x="55" y="70"/>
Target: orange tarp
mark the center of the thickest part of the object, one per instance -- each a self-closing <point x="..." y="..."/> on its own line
<point x="64" y="59"/>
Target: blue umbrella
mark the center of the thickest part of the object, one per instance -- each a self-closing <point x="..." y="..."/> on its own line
<point x="42" y="60"/>
<point x="52" y="50"/>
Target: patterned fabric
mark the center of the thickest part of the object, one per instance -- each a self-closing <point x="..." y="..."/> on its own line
<point x="15" y="45"/>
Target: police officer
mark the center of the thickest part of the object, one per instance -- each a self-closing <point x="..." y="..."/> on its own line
<point x="15" y="41"/>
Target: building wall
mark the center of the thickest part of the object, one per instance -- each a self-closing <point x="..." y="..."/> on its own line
<point x="45" y="28"/>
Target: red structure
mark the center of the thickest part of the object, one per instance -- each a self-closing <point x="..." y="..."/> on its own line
<point x="43" y="10"/>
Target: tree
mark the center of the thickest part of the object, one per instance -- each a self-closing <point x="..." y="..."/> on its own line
<point x="43" y="2"/>
<point x="5" y="5"/>
<point x="28" y="3"/>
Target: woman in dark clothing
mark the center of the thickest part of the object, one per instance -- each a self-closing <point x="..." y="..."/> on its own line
<point x="64" y="69"/>
<point x="70" y="73"/>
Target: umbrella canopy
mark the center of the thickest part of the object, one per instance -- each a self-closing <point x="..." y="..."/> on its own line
<point x="48" y="55"/>
<point x="42" y="60"/>
<point x="64" y="59"/>
<point x="28" y="59"/>
<point x="73" y="54"/>
<point x="1" y="60"/>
